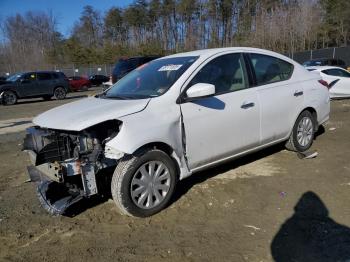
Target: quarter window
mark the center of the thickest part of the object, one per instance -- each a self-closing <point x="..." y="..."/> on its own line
<point x="226" y="73"/>
<point x="270" y="69"/>
<point x="44" y="76"/>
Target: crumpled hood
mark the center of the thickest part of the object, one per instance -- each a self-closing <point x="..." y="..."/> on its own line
<point x="87" y="112"/>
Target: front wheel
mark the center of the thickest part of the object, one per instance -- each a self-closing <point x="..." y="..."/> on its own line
<point x="143" y="184"/>
<point x="303" y="132"/>
<point x="9" y="98"/>
<point x="59" y="93"/>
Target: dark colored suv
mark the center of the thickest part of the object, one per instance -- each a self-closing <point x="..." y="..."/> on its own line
<point x="325" y="62"/>
<point x="125" y="65"/>
<point x="45" y="84"/>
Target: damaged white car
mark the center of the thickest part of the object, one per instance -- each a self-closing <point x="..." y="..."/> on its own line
<point x="169" y="119"/>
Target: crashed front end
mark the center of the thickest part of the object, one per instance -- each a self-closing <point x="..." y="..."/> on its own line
<point x="66" y="164"/>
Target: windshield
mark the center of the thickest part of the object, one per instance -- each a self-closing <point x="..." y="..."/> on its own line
<point x="151" y="79"/>
<point x="14" y="77"/>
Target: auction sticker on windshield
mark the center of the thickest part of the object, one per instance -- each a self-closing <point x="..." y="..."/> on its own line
<point x="169" y="68"/>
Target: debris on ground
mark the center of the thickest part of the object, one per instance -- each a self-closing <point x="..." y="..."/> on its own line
<point x="283" y="194"/>
<point x="253" y="227"/>
<point x="307" y="155"/>
<point x="332" y="129"/>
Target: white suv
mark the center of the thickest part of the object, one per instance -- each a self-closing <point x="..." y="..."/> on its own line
<point x="169" y="119"/>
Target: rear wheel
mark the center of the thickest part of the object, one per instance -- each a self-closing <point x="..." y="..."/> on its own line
<point x="9" y="98"/>
<point x="59" y="93"/>
<point x="303" y="132"/>
<point x="143" y="184"/>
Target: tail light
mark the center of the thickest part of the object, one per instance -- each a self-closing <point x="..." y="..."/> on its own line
<point x="324" y="83"/>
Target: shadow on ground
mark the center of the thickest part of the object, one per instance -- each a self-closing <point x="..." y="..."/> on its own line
<point x="311" y="235"/>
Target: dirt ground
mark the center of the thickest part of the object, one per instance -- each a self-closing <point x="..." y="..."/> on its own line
<point x="269" y="206"/>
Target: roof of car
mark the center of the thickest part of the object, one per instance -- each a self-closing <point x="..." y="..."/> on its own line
<point x="320" y="68"/>
<point x="213" y="51"/>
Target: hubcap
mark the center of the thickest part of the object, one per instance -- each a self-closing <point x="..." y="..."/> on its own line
<point x="59" y="93"/>
<point x="305" y="130"/>
<point x="150" y="184"/>
<point x="9" y="98"/>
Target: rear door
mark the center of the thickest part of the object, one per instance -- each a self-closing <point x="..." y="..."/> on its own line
<point x="45" y="82"/>
<point x="226" y="123"/>
<point x="281" y="99"/>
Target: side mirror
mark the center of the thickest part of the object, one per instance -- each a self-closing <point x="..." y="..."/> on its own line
<point x="200" y="90"/>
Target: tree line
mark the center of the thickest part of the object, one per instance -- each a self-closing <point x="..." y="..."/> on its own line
<point x="32" y="41"/>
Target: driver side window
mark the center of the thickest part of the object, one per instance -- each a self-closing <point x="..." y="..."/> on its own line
<point x="29" y="77"/>
<point x="226" y="73"/>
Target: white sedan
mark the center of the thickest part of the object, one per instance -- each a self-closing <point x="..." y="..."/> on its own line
<point x="337" y="78"/>
<point x="168" y="119"/>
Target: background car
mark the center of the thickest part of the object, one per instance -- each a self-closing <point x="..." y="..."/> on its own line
<point x="78" y="83"/>
<point x="125" y="65"/>
<point x="325" y="62"/>
<point x="45" y="84"/>
<point x="98" y="80"/>
<point x="337" y="78"/>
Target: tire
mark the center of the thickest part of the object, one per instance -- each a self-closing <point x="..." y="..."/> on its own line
<point x="303" y="133"/>
<point x="130" y="192"/>
<point x="9" y="98"/>
<point x="59" y="93"/>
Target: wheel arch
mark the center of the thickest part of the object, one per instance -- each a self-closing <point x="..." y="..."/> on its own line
<point x="313" y="113"/>
<point x="166" y="148"/>
<point x="12" y="90"/>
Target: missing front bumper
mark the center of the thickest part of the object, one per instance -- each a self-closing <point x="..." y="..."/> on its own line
<point x="55" y="197"/>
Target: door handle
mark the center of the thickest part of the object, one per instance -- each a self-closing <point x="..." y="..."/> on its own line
<point x="247" y="105"/>
<point x="298" y="93"/>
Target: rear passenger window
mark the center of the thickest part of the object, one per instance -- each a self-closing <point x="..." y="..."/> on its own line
<point x="43" y="76"/>
<point x="226" y="72"/>
<point x="270" y="69"/>
<point x="336" y="72"/>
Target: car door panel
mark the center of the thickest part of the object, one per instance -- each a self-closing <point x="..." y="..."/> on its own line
<point x="280" y="104"/>
<point x="281" y="99"/>
<point x="28" y="85"/>
<point x="226" y="123"/>
<point x="220" y="126"/>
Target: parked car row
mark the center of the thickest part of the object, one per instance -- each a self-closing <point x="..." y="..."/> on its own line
<point x="169" y="119"/>
<point x="45" y="84"/>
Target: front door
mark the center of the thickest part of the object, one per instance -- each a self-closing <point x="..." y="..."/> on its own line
<point x="227" y="123"/>
<point x="27" y="85"/>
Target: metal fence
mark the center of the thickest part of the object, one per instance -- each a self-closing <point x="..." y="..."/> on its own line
<point x="86" y="71"/>
<point x="342" y="53"/>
